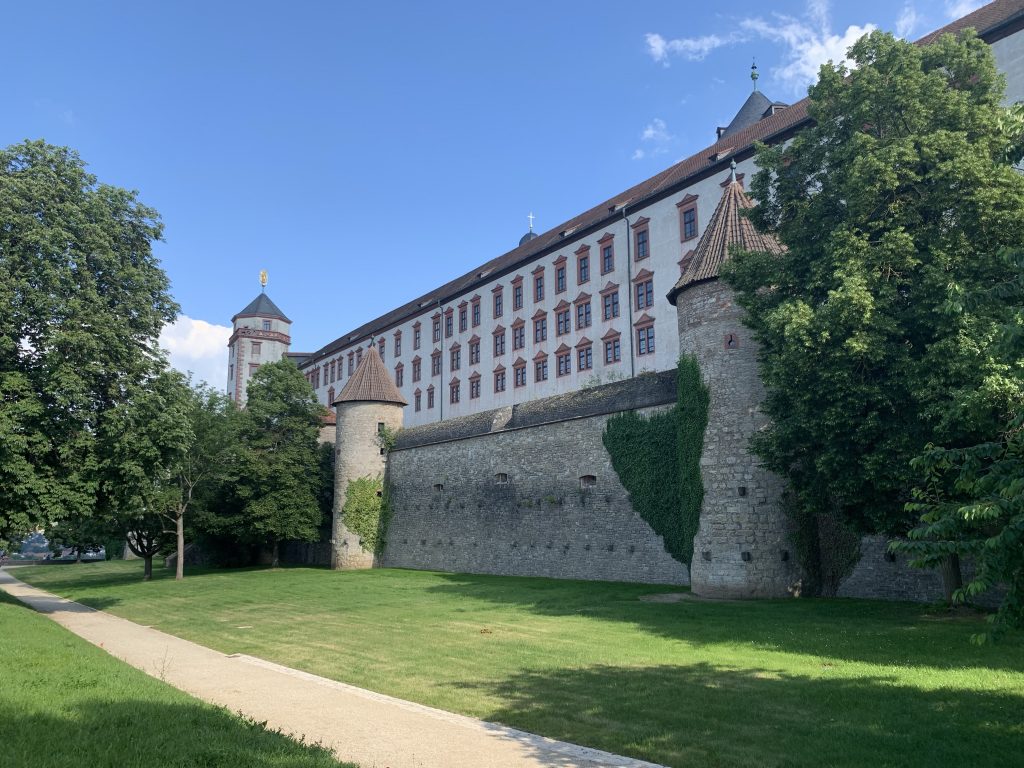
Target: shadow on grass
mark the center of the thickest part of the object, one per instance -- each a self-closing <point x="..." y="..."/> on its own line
<point x="704" y="714"/>
<point x="141" y="733"/>
<point x="874" y="632"/>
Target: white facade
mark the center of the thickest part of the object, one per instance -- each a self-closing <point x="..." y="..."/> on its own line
<point x="328" y="372"/>
<point x="257" y="337"/>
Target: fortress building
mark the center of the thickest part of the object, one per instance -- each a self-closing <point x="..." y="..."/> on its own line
<point x="503" y="381"/>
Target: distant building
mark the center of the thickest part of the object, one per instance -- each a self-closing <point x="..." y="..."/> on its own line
<point x="260" y="334"/>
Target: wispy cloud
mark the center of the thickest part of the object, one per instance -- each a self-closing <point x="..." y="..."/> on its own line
<point x="956" y="9"/>
<point x="691" y="48"/>
<point x="807" y="41"/>
<point x="907" y="21"/>
<point x="198" y="347"/>
<point x="655" y="138"/>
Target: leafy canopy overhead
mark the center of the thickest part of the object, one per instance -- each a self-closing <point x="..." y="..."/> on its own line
<point x="895" y="203"/>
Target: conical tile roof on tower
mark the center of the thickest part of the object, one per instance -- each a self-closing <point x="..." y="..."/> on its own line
<point x="727" y="229"/>
<point x="370" y="383"/>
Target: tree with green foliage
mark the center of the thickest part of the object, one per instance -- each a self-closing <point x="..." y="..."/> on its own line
<point x="83" y="301"/>
<point x="367" y="512"/>
<point x="279" y="462"/>
<point x="971" y="500"/>
<point x="895" y="203"/>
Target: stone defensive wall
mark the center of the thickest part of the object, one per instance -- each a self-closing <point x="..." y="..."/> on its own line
<point x="527" y="490"/>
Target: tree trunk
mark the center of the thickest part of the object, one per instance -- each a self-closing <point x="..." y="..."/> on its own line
<point x="147" y="574"/>
<point x="179" y="523"/>
<point x="78" y="555"/>
<point x="277" y="554"/>
<point x="952" y="579"/>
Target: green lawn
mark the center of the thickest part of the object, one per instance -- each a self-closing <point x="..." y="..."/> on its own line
<point x="64" y="702"/>
<point x="798" y="682"/>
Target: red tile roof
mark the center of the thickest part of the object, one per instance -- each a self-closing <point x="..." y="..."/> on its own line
<point x="990" y="20"/>
<point x="370" y="382"/>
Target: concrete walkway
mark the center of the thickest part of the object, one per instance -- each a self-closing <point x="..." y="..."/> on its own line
<point x="363" y="727"/>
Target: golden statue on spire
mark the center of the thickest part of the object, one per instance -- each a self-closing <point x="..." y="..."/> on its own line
<point x="263" y="278"/>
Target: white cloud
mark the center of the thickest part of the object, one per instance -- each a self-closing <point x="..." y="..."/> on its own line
<point x="656" y="138"/>
<point x="907" y="21"/>
<point x="198" y="347"/>
<point x="807" y="42"/>
<point x="956" y="9"/>
<point x="692" y="48"/>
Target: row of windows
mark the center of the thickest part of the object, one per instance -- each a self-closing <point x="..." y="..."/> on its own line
<point x="469" y="314"/>
<point x="564" y="361"/>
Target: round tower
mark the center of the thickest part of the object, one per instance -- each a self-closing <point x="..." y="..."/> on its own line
<point x="369" y="405"/>
<point x="741" y="548"/>
<point x="260" y="334"/>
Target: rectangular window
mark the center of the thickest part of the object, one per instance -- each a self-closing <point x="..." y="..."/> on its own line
<point x="519" y="337"/>
<point x="474" y="389"/>
<point x="398" y="346"/>
<point x="645" y="340"/>
<point x="564" y="319"/>
<point x="540" y="370"/>
<point x="520" y="380"/>
<point x="456" y="359"/>
<point x="642" y="245"/>
<point x="690" y="223"/>
<point x="449" y="325"/>
<point x="612" y="351"/>
<point x="585" y="359"/>
<point x="538" y="288"/>
<point x="499" y="344"/>
<point x="416" y="370"/>
<point x="474" y="353"/>
<point x="584" y="269"/>
<point x="350" y="363"/>
<point x="499" y="302"/>
<point x="540" y="330"/>
<point x="607" y="259"/>
<point x="332" y="371"/>
<point x="454" y="398"/>
<point x="499" y="381"/>
<point x="266" y="325"/>
<point x="430" y="397"/>
<point x="610" y="304"/>
<point x="560" y="279"/>
<point x="564" y="364"/>
<point x="256" y="347"/>
<point x="476" y="313"/>
<point x="645" y="294"/>
<point x="517" y="297"/>
<point x="437" y="329"/>
<point x="583" y="318"/>
<point x="417" y="337"/>
<point x="359" y="355"/>
<point x="380" y="348"/>
<point x="418" y="398"/>
<point x="435" y="364"/>
<point x="399" y="376"/>
<point x="463" y="320"/>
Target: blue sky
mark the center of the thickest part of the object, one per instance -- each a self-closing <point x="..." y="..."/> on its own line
<point x="363" y="153"/>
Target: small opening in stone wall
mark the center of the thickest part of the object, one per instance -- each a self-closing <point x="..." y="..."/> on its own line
<point x="747" y="557"/>
<point x="742" y="490"/>
<point x="380" y="433"/>
<point x="588" y="481"/>
<point x="501" y="478"/>
<point x="890" y="557"/>
<point x="438" y="487"/>
<point x="785" y="555"/>
<point x="732" y="341"/>
<point x="706" y="554"/>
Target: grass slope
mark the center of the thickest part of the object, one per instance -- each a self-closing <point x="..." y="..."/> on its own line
<point x="64" y="702"/>
<point x="781" y="683"/>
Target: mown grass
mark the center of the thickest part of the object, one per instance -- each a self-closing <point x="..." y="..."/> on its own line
<point x="64" y="702"/>
<point x="781" y="683"/>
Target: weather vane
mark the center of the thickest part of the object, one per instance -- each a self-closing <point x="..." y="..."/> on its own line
<point x="531" y="217"/>
<point x="753" y="73"/>
<point x="263" y="279"/>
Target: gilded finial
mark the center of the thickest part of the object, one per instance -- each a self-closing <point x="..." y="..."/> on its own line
<point x="753" y="74"/>
<point x="263" y="279"/>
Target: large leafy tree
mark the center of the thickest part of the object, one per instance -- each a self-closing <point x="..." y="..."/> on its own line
<point x="279" y="467"/>
<point x="895" y="203"/>
<point x="83" y="301"/>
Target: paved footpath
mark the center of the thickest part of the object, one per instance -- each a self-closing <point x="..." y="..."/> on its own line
<point x="361" y="726"/>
